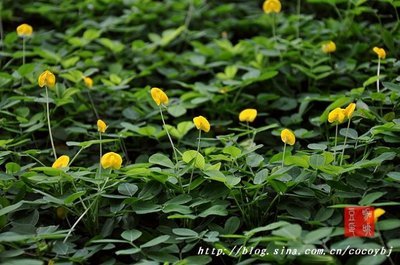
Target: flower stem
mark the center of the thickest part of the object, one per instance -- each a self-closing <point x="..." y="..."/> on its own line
<point x="23" y="51"/>
<point x="273" y="27"/>
<point x="378" y="74"/>
<point x="172" y="144"/>
<point x="100" y="153"/>
<point x="283" y="156"/>
<point x="48" y="123"/>
<point x="169" y="136"/>
<point x="195" y="159"/>
<point x="298" y="18"/>
<point x="92" y="103"/>
<point x="344" y="143"/>
<point x="334" y="150"/>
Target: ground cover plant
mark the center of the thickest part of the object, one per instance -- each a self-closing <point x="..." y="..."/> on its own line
<point x="198" y="132"/>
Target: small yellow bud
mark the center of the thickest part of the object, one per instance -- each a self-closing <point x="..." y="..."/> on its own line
<point x="48" y="79"/>
<point x="61" y="162"/>
<point x="380" y="52"/>
<point x="377" y="213"/>
<point x="24" y="30"/>
<point x="272" y="6"/>
<point x="288" y="137"/>
<point x="248" y="115"/>
<point x="336" y="115"/>
<point x="159" y="96"/>
<point x="88" y="82"/>
<point x="201" y="123"/>
<point x="349" y="110"/>
<point x="111" y="160"/>
<point x="329" y="47"/>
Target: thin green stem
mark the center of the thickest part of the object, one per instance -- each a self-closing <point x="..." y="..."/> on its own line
<point x="273" y="27"/>
<point x="383" y="243"/>
<point x="92" y="103"/>
<point x="169" y="136"/>
<point x="344" y="143"/>
<point x="195" y="159"/>
<point x="48" y="123"/>
<point x="77" y="221"/>
<point x="283" y="156"/>
<point x="378" y="73"/>
<point x="100" y="153"/>
<point x="298" y="18"/>
<point x="172" y="145"/>
<point x="336" y="135"/>
<point x="75" y="156"/>
<point x="23" y="51"/>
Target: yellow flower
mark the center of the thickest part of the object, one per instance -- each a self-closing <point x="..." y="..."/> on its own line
<point x="377" y="213"/>
<point x="24" y="30"/>
<point x="61" y="162"/>
<point x="272" y="6"/>
<point x="288" y="137"/>
<point x="111" y="160"/>
<point x="159" y="96"/>
<point x="380" y="52"/>
<point x="336" y="115"/>
<point x="88" y="82"/>
<point x="329" y="47"/>
<point x="47" y="78"/>
<point x="248" y="115"/>
<point x="101" y="126"/>
<point x="349" y="110"/>
<point x="201" y="123"/>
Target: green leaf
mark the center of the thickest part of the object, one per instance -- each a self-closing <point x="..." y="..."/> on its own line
<point x="389" y="224"/>
<point x="128" y="189"/>
<point x="300" y="161"/>
<point x="177" y="110"/>
<point x="160" y="159"/>
<point x="215" y="210"/>
<point x="191" y="155"/>
<point x="71" y="198"/>
<point x="261" y="176"/>
<point x="233" y="151"/>
<point x="10" y="208"/>
<point x="185" y="232"/>
<point x="315" y="236"/>
<point x="317" y="146"/>
<point x="155" y="241"/>
<point x="317" y="161"/>
<point x="291" y="231"/>
<point x="371" y="197"/>
<point x="394" y="175"/>
<point x="131" y="235"/>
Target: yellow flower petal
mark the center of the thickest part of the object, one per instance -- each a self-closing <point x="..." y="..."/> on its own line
<point x="288" y="137"/>
<point x="47" y="78"/>
<point x="88" y="82"/>
<point x="329" y="47"/>
<point x="248" y="115"/>
<point x="101" y="126"/>
<point x="24" y="30"/>
<point x="380" y="52"/>
<point x="349" y="110"/>
<point x="61" y="162"/>
<point x="201" y="123"/>
<point x="272" y="6"/>
<point x="111" y="160"/>
<point x="159" y="96"/>
<point x="336" y="115"/>
<point x="377" y="213"/>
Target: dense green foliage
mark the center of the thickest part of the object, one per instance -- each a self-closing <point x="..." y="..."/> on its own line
<point x="212" y="58"/>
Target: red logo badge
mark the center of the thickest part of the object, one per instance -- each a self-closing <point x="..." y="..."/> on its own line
<point x="359" y="221"/>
